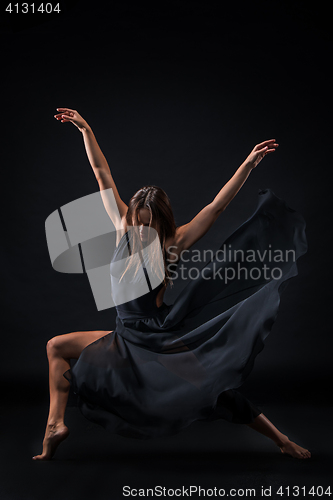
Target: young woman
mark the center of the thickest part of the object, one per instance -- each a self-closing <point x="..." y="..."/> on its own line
<point x="165" y="366"/>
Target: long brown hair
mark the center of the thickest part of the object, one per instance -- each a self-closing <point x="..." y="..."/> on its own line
<point x="162" y="219"/>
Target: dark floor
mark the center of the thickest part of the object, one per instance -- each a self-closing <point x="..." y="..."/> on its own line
<point x="92" y="464"/>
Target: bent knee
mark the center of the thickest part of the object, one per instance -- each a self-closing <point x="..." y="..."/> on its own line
<point x="54" y="345"/>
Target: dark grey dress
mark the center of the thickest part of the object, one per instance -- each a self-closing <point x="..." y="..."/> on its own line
<point x="163" y="368"/>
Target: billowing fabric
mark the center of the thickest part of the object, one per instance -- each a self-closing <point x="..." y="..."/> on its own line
<point x="163" y="368"/>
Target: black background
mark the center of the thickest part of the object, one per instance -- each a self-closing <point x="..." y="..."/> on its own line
<point x="177" y="95"/>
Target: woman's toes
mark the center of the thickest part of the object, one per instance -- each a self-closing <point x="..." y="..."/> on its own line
<point x="54" y="435"/>
<point x="295" y="450"/>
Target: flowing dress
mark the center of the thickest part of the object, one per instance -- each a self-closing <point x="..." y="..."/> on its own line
<point x="162" y="368"/>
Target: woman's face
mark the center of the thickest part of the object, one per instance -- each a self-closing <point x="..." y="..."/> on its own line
<point x="144" y="220"/>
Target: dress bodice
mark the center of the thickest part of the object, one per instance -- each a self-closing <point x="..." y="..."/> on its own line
<point x="145" y="305"/>
<point x="141" y="307"/>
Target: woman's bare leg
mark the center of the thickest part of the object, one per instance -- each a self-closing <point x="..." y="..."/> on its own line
<point x="264" y="426"/>
<point x="60" y="350"/>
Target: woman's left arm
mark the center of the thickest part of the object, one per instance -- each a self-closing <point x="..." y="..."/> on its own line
<point x="188" y="234"/>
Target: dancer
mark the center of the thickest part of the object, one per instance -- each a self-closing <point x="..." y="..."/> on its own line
<point x="166" y="366"/>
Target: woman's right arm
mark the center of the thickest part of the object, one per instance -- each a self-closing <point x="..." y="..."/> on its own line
<point x="96" y="158"/>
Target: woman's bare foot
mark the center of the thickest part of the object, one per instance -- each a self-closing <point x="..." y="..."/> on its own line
<point x="294" y="449"/>
<point x="54" y="435"/>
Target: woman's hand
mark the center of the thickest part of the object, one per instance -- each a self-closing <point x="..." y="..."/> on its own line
<point x="259" y="151"/>
<point x="70" y="115"/>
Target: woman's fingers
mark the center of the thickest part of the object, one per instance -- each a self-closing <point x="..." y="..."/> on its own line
<point x="65" y="109"/>
<point x="269" y="144"/>
<point x="65" y="116"/>
<point x="64" y="119"/>
<point x="265" y="143"/>
<point x="265" y="147"/>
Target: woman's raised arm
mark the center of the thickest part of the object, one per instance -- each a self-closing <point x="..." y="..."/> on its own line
<point x="96" y="158"/>
<point x="188" y="234"/>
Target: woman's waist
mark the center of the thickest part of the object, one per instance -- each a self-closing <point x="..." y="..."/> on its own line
<point x="128" y="313"/>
